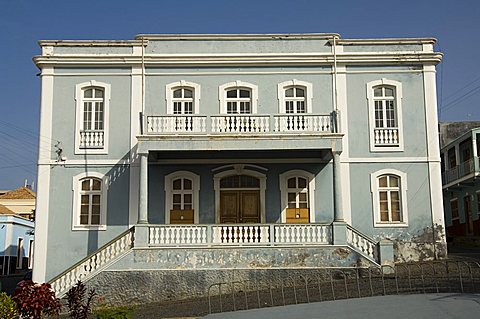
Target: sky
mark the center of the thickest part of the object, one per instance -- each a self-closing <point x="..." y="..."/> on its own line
<point x="456" y="25"/>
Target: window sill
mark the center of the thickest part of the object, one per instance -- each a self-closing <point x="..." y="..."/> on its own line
<point x="390" y="224"/>
<point x="86" y="227"/>
<point x="389" y="149"/>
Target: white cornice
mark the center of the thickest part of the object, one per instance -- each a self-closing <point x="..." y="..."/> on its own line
<point x="390" y="41"/>
<point x="390" y="58"/>
<point x="279" y="36"/>
<point x="92" y="43"/>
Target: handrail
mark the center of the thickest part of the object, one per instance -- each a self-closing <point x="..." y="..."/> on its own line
<point x="95" y="253"/>
<point x="368" y="247"/>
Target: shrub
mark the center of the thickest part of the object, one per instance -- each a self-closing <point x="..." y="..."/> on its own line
<point x="8" y="307"/>
<point x="78" y="306"/>
<point x="35" y="300"/>
<point x="114" y="313"/>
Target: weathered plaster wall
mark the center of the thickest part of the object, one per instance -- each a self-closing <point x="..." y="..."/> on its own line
<point x="171" y="274"/>
<point x="265" y="78"/>
<point x="67" y="246"/>
<point x="238" y="46"/>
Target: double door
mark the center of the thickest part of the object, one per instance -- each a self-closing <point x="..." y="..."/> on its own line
<point x="240" y="206"/>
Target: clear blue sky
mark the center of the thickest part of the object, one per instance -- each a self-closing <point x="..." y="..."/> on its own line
<point x="456" y="25"/>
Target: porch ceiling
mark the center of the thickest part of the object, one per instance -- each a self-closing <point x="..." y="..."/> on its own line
<point x="285" y="143"/>
<point x="307" y="155"/>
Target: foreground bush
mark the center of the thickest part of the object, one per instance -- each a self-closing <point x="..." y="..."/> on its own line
<point x="114" y="313"/>
<point x="79" y="302"/>
<point x="36" y="300"/>
<point x="8" y="307"/>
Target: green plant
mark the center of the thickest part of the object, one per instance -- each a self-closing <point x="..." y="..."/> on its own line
<point x="78" y="306"/>
<point x="114" y="312"/>
<point x="35" y="300"/>
<point x="8" y="307"/>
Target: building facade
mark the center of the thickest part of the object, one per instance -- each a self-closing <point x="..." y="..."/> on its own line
<point x="17" y="242"/>
<point x="211" y="153"/>
<point x="20" y="201"/>
<point x="461" y="188"/>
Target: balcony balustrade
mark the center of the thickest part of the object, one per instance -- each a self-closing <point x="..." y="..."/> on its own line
<point x="239" y="124"/>
<point x="240" y="234"/>
<point x="91" y="139"/>
<point x="463" y="169"/>
<point x="386" y="136"/>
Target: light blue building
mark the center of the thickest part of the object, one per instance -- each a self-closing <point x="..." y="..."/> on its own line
<point x="185" y="159"/>
<point x="16" y="242"/>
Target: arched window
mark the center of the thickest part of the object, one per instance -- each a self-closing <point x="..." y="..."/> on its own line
<point x="389" y="198"/>
<point x="182" y="101"/>
<point x="295" y="100"/>
<point x="238" y="98"/>
<point x="239" y="101"/>
<point x="295" y="97"/>
<point x="385" y="115"/>
<point x="181" y="202"/>
<point x="182" y="98"/>
<point x="90" y="199"/>
<point x="92" y="117"/>
<point x="297" y="191"/>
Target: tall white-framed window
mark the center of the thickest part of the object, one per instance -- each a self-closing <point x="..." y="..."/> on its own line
<point x="182" y="198"/>
<point x="385" y="115"/>
<point x="238" y="98"/>
<point x="20" y="253"/>
<point x="295" y="97"/>
<point x="389" y="198"/>
<point x="92" y="117"/>
<point x="90" y="201"/>
<point x="297" y="189"/>
<point x="454" y="208"/>
<point x="30" y="254"/>
<point x="182" y="98"/>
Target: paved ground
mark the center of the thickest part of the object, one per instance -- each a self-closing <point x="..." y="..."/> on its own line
<point x="463" y="252"/>
<point x="429" y="306"/>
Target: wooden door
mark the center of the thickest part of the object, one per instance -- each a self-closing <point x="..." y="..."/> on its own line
<point x="239" y="207"/>
<point x="468" y="214"/>
<point x="249" y="207"/>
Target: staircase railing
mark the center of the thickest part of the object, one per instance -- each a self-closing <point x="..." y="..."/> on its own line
<point x="362" y="243"/>
<point x="93" y="263"/>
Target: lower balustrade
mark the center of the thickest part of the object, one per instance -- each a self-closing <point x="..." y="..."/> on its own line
<point x="244" y="234"/>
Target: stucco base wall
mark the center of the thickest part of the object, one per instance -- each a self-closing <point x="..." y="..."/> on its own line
<point x="151" y="275"/>
<point x="426" y="245"/>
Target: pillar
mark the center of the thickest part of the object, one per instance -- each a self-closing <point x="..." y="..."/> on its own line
<point x="143" y="200"/>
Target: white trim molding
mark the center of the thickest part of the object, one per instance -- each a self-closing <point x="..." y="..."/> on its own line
<point x="169" y="189"/>
<point x="239" y="169"/>
<point x="169" y="88"/>
<point x="222" y="94"/>
<point x="42" y="205"/>
<point x="76" y="188"/>
<point x="281" y="87"/>
<point x="283" y="178"/>
<point x="397" y="147"/>
<point x="79" y="116"/>
<point x="374" y="188"/>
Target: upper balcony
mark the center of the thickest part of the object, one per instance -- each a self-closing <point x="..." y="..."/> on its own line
<point x="222" y="130"/>
<point x="460" y="160"/>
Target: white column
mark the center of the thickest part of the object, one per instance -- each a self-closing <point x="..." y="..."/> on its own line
<point x="143" y="198"/>
<point x="433" y="149"/>
<point x="337" y="187"/>
<point x="135" y="110"/>
<point x="43" y="178"/>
